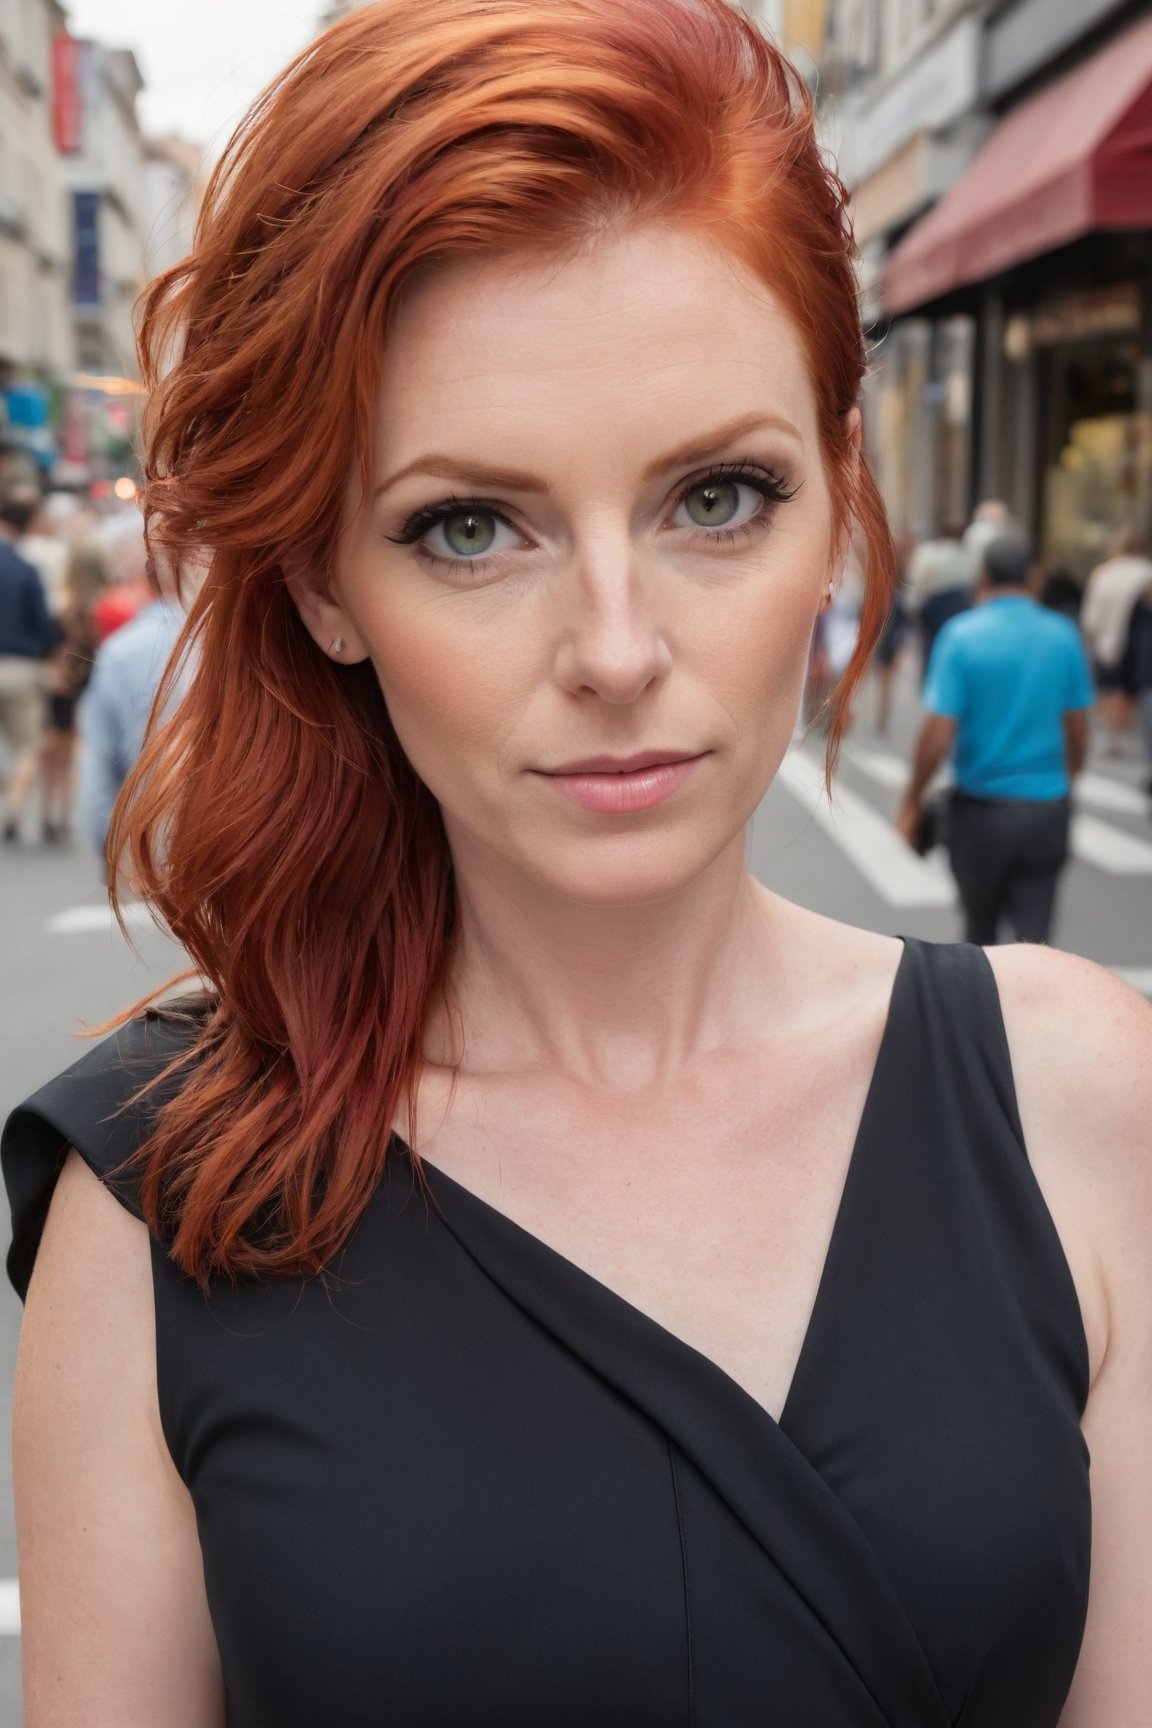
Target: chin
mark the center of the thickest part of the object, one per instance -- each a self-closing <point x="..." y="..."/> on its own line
<point x="652" y="868"/>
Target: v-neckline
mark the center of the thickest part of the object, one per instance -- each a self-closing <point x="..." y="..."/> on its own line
<point x="519" y="1234"/>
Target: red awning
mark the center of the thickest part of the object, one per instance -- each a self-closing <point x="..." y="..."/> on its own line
<point x="1076" y="157"/>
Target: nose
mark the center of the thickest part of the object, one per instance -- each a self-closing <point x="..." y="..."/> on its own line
<point x="612" y="639"/>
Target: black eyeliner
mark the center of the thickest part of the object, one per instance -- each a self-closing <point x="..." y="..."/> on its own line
<point x="772" y="487"/>
<point x="429" y="515"/>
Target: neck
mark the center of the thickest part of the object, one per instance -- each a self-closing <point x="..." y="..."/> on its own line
<point x="613" y="997"/>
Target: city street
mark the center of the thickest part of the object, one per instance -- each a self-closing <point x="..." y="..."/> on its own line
<point x="65" y="967"/>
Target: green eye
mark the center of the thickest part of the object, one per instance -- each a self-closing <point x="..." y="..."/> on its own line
<point x="713" y="504"/>
<point x="468" y="533"/>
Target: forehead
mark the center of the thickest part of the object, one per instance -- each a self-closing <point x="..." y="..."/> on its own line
<point x="657" y="327"/>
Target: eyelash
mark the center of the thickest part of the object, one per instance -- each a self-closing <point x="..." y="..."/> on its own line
<point x="772" y="488"/>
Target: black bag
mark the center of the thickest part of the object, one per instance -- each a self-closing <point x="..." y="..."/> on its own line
<point x="932" y="828"/>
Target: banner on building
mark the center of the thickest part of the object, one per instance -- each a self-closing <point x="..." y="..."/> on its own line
<point x="74" y="429"/>
<point x="69" y="79"/>
<point x="86" y="249"/>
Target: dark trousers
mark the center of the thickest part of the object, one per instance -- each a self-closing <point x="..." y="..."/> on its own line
<point x="1007" y="855"/>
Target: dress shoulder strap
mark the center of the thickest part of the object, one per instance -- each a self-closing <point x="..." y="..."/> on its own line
<point x="96" y="1106"/>
<point x="959" y="1029"/>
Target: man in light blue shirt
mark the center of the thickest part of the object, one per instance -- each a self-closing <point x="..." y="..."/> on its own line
<point x="1008" y="692"/>
<point x="116" y="706"/>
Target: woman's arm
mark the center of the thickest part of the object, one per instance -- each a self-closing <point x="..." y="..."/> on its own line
<point x="1082" y="1054"/>
<point x="115" y="1625"/>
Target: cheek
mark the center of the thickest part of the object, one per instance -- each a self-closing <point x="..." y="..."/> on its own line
<point x="448" y="693"/>
<point x="756" y="644"/>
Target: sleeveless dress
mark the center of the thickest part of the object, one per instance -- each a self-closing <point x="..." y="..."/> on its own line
<point x="460" y="1483"/>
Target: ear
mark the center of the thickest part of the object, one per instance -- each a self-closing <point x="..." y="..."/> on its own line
<point x="323" y="616"/>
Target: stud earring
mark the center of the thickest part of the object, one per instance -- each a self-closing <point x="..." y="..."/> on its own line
<point x="337" y="648"/>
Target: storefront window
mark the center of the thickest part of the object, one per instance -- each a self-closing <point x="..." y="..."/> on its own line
<point x="1097" y="474"/>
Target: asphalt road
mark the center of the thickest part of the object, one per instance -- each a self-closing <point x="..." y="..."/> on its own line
<point x="65" y="969"/>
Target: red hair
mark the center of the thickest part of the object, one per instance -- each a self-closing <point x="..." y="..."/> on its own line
<point x="274" y="822"/>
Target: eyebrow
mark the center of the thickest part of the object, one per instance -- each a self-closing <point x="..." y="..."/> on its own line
<point x="448" y="467"/>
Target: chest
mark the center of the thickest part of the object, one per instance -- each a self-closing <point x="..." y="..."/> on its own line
<point x="712" y="1214"/>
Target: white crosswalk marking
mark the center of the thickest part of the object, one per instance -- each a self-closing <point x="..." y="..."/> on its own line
<point x="77" y="920"/>
<point x="1110" y="848"/>
<point x="9" y="1605"/>
<point x="882" y="858"/>
<point x="879" y="765"/>
<point x="1105" y="794"/>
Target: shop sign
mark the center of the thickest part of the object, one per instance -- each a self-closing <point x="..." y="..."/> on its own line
<point x="26" y="421"/>
<point x="74" y="431"/>
<point x="86" y="232"/>
<point x="69" y="80"/>
<point x="1116" y="311"/>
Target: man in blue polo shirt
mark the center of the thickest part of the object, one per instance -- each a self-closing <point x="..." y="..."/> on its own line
<point x="1008" y="692"/>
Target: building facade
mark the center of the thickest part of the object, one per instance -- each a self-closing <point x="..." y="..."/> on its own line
<point x="898" y="87"/>
<point x="35" y="327"/>
<point x="174" y="181"/>
<point x="105" y="174"/>
<point x="996" y="153"/>
<point x="1046" y="244"/>
<point x="89" y="209"/>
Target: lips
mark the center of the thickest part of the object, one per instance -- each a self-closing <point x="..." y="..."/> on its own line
<point x="620" y="786"/>
<point x="623" y="764"/>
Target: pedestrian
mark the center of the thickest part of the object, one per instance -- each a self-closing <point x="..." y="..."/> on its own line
<point x="28" y="633"/>
<point x="938" y="583"/>
<point x="991" y="520"/>
<point x="1140" y="658"/>
<point x="1110" y="594"/>
<point x="539" y="1274"/>
<point x="69" y="670"/>
<point x="126" y="673"/>
<point x="130" y="589"/>
<point x="1061" y="592"/>
<point x="37" y="540"/>
<point x="1008" y="693"/>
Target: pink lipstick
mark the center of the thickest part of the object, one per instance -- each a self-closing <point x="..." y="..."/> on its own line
<point x="633" y="783"/>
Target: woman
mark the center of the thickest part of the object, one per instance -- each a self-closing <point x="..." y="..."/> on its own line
<point x="1111" y="593"/>
<point x="556" y="1280"/>
<point x="69" y="669"/>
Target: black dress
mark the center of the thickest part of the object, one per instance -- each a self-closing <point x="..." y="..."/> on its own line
<point x="464" y="1485"/>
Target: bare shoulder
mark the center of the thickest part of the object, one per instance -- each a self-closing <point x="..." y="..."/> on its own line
<point x="106" y="1529"/>
<point x="1081" y="1047"/>
<point x="1083" y="1037"/>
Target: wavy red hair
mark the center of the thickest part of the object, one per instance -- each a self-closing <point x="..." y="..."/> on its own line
<point x="274" y="822"/>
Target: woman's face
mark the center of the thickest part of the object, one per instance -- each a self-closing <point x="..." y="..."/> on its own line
<point x="600" y="527"/>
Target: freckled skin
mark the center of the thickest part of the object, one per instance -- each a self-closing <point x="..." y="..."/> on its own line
<point x="606" y="626"/>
